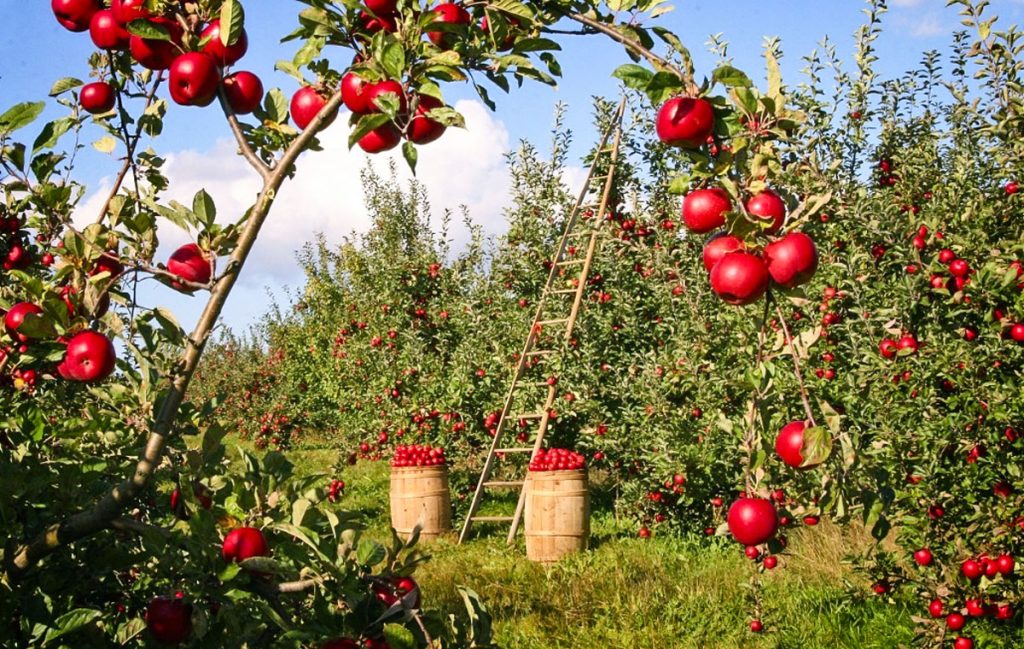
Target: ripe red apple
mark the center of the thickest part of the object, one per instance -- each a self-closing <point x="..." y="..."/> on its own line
<point x="194" y="79"/>
<point x="923" y="557"/>
<point x="752" y="521"/>
<point x="75" y="15"/>
<point x="153" y="53"/>
<point x="756" y="626"/>
<point x="307" y="104"/>
<point x="971" y="569"/>
<point x="353" y="93"/>
<point x="1004" y="564"/>
<point x="946" y="256"/>
<point x="378" y="23"/>
<point x="789" y="444"/>
<point x="192" y="264"/>
<point x="98" y="97"/>
<point x="391" y="590"/>
<point x="126" y="11"/>
<point x="740" y="278"/>
<point x="705" y="209"/>
<point x="685" y="122"/>
<point x="341" y="643"/>
<point x="888" y="348"/>
<point x="955" y="621"/>
<point x="243" y="543"/>
<point x="224" y="54"/>
<point x="963" y="643"/>
<point x="382" y="7"/>
<point x="388" y="86"/>
<point x="169" y="620"/>
<point x="768" y="205"/>
<point x="959" y="268"/>
<point x="244" y="91"/>
<point x="908" y="342"/>
<point x="448" y="13"/>
<point x="718" y="245"/>
<point x="89" y="358"/>
<point x="106" y="32"/>
<point x="935" y="608"/>
<point x="384" y="137"/>
<point x="1017" y="332"/>
<point x="792" y="260"/>
<point x="15" y="316"/>
<point x="974" y="607"/>
<point x="422" y="129"/>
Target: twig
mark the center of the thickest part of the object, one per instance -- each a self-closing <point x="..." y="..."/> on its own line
<point x="794" y="352"/>
<point x="260" y="166"/>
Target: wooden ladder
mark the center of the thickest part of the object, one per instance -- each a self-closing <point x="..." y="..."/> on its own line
<point x="606" y="158"/>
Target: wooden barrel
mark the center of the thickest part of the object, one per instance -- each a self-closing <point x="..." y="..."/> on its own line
<point x="420" y="495"/>
<point x="557" y="514"/>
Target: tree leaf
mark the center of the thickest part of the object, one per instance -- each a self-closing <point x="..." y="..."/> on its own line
<point x="232" y="21"/>
<point x="20" y="116"/>
<point x="63" y="85"/>
<point x="817" y="446"/>
<point x="399" y="637"/>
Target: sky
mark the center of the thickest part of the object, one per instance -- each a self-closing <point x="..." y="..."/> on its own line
<point x="465" y="167"/>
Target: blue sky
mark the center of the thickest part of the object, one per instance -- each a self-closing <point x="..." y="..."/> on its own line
<point x="35" y="51"/>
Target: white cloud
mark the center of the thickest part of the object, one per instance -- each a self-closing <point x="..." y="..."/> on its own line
<point x="928" y="26"/>
<point x="906" y="3"/>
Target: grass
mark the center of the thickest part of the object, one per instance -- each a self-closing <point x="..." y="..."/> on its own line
<point x="630" y="593"/>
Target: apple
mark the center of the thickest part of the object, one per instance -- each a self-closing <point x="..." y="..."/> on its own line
<point x="752" y="521"/>
<point x="792" y="260"/>
<point x="107" y="33"/>
<point x="422" y="129"/>
<point x="963" y="643"/>
<point x="756" y="626"/>
<point x="391" y="590"/>
<point x="388" y="86"/>
<point x="16" y="315"/>
<point x="194" y="79"/>
<point x="971" y="569"/>
<point x="384" y="137"/>
<point x="98" y="97"/>
<point x="888" y="348"/>
<point x="75" y="15"/>
<point x="192" y="264"/>
<point x="382" y="7"/>
<point x="153" y="53"/>
<point x="510" y="38"/>
<point x="770" y="562"/>
<point x="243" y="543"/>
<point x="908" y="342"/>
<point x="353" y="93"/>
<point x="1004" y="564"/>
<point x="89" y="358"/>
<point x="1017" y="332"/>
<point x="685" y="122"/>
<point x="126" y="11"/>
<point x="923" y="557"/>
<point x="306" y="105"/>
<point x="169" y="620"/>
<point x="705" y="209"/>
<point x="946" y="256"/>
<point x="789" y="444"/>
<point x="974" y="607"/>
<point x="378" y="23"/>
<point x="341" y="643"/>
<point x="447" y="13"/>
<point x="1004" y="612"/>
<point x="225" y="55"/>
<point x="740" y="278"/>
<point x="959" y="268"/>
<point x="955" y="621"/>
<point x="718" y="245"/>
<point x="768" y="205"/>
<point x="935" y="608"/>
<point x="244" y="91"/>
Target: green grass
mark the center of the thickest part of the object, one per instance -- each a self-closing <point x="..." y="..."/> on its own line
<point x="635" y="594"/>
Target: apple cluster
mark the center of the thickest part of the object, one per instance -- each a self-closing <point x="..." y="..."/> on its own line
<point x="418" y="455"/>
<point x="740" y="273"/>
<point x="557" y="459"/>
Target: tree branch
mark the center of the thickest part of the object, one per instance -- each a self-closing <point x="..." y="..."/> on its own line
<point x="259" y="165"/>
<point x="91" y="521"/>
<point x="796" y="360"/>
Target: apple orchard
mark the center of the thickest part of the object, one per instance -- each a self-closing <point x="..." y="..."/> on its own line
<point x="809" y="306"/>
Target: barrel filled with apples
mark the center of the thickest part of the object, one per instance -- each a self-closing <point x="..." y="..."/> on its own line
<point x="557" y="507"/>
<point x="419" y="492"/>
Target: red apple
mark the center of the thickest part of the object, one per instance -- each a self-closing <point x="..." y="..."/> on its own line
<point x="752" y="521"/>
<point x="243" y="543"/>
<point x="908" y="342"/>
<point x="382" y="7"/>
<point x="971" y="569"/>
<point x="422" y="129"/>
<point x="1004" y="564"/>
<point x="963" y="643"/>
<point x="789" y="444"/>
<point x="390" y="591"/>
<point x="685" y="122"/>
<point x="191" y="264"/>
<point x="792" y="260"/>
<point x="756" y="626"/>
<point x="15" y="316"/>
<point x="89" y="358"/>
<point x="382" y="138"/>
<point x="169" y="620"/>
<point x="353" y="93"/>
<point x="224" y="54"/>
<point x="740" y="278"/>
<point x="1017" y="332"/>
<point x="126" y="11"/>
<point x="448" y="13"/>
<point x="888" y="348"/>
<point x="959" y="268"/>
<point x="768" y="205"/>
<point x="107" y="33"/>
<point x="705" y="209"/>
<point x="244" y="91"/>
<point x="718" y="245"/>
<point x="377" y="23"/>
<point x="935" y="608"/>
<point x="98" y="97"/>
<point x="955" y="621"/>
<point x="388" y="86"/>
<point x="156" y="54"/>
<point x="194" y="79"/>
<point x="75" y="15"/>
<point x="306" y="105"/>
<point x="923" y="557"/>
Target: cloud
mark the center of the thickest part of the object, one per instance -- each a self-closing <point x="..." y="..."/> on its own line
<point x="466" y="167"/>
<point x="906" y="3"/>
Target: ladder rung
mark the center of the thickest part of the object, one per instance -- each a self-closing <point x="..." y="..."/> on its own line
<point x="504" y="483"/>
<point x="551" y="322"/>
<point x="492" y="519"/>
<point x="536" y="384"/>
<point x="564" y="291"/>
<point x="530" y="415"/>
<point x="570" y="262"/>
<point x="540" y="352"/>
<point x="516" y="449"/>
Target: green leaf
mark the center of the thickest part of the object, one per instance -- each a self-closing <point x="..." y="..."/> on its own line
<point x="105" y="144"/>
<point x="410" y="154"/>
<point x="731" y="77"/>
<point x="817" y="446"/>
<point x="370" y="553"/>
<point x="536" y="45"/>
<point x="20" y="116"/>
<point x="203" y="206"/>
<point x="399" y="637"/>
<point x="70" y="622"/>
<point x="63" y="85"/>
<point x="52" y="133"/>
<point x="232" y="21"/>
<point x="633" y="75"/>
<point x="149" y="30"/>
<point x="366" y="124"/>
